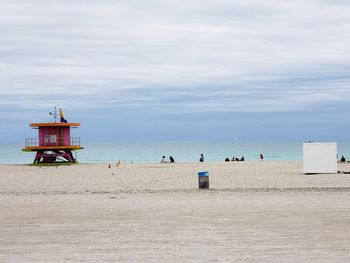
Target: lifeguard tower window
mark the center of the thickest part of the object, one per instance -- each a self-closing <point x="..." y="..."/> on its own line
<point x="52" y="138"/>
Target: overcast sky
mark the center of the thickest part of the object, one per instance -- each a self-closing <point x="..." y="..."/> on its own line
<point x="177" y="70"/>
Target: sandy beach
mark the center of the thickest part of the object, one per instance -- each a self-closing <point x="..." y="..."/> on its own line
<point x="254" y="212"/>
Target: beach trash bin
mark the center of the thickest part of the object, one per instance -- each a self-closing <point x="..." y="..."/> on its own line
<point x="203" y="180"/>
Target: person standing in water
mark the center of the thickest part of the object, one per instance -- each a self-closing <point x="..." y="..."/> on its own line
<point x="163" y="159"/>
<point x="201" y="159"/>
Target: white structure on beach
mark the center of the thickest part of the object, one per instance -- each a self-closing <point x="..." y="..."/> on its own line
<point x="320" y="157"/>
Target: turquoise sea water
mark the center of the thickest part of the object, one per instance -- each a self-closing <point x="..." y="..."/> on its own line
<point x="186" y="152"/>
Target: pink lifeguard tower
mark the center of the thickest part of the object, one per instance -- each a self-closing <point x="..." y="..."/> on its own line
<point x="55" y="144"/>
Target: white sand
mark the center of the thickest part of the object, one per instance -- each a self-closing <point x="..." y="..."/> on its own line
<point x="254" y="212"/>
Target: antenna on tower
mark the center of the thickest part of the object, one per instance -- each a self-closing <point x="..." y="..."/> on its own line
<point x="55" y="115"/>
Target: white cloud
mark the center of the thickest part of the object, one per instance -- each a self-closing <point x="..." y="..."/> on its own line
<point x="193" y="55"/>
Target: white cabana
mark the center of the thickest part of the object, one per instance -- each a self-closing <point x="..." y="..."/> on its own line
<point x="320" y="157"/>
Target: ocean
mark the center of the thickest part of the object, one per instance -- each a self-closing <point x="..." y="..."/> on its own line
<point x="183" y="152"/>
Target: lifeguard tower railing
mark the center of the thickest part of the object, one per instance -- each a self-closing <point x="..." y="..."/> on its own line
<point x="72" y="142"/>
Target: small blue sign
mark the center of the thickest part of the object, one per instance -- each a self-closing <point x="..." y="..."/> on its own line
<point x="205" y="174"/>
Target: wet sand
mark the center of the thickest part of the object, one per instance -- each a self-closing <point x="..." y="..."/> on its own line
<point x="254" y="212"/>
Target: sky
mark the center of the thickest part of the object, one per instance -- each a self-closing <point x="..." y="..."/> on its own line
<point x="177" y="70"/>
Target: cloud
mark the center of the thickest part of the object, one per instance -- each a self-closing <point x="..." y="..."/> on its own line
<point x="187" y="56"/>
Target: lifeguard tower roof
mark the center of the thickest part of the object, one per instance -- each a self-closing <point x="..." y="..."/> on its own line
<point x="54" y="124"/>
